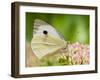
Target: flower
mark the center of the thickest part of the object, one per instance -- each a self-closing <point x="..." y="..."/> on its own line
<point x="78" y="53"/>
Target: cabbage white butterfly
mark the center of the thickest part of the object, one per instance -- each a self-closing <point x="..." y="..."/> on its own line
<point x="46" y="40"/>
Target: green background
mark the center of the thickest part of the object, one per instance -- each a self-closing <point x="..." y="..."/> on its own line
<point x="74" y="28"/>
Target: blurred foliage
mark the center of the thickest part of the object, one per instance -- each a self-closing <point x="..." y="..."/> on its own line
<point x="74" y="28"/>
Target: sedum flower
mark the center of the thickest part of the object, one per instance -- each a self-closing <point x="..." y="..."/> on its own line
<point x="77" y="53"/>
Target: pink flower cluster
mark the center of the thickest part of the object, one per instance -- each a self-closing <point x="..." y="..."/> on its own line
<point x="79" y="53"/>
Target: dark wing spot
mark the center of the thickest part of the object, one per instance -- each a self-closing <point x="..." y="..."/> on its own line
<point x="45" y="32"/>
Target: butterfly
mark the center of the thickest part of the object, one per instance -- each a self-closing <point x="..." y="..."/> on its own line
<point x="46" y="40"/>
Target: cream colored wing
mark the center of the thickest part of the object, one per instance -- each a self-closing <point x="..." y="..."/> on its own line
<point x="44" y="43"/>
<point x="42" y="46"/>
<point x="40" y="26"/>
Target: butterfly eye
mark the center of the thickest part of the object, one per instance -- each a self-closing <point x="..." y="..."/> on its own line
<point x="45" y="32"/>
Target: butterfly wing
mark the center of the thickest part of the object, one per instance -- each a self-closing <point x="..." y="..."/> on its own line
<point x="40" y="26"/>
<point x="42" y="44"/>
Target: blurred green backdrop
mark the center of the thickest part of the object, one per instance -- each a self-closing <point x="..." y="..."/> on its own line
<point x="74" y="28"/>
